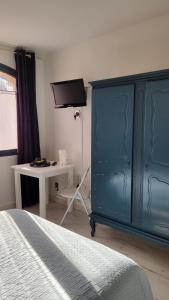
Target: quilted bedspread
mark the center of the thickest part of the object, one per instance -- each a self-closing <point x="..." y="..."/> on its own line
<point x="41" y="260"/>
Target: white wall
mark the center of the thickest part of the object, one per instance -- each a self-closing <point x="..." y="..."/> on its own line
<point x="7" y="193"/>
<point x="140" y="48"/>
<point x="48" y="72"/>
<point x="41" y="103"/>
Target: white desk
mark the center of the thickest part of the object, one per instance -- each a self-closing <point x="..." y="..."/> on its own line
<point x="42" y="174"/>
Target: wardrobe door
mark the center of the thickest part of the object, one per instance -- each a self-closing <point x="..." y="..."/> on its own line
<point x="112" y="122"/>
<point x="155" y="214"/>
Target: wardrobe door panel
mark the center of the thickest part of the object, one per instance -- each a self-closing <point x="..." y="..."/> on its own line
<point x="112" y="122"/>
<point x="155" y="214"/>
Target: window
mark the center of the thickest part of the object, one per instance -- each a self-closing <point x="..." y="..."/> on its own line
<point x="8" y="116"/>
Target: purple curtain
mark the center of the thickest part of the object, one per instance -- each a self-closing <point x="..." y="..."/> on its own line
<point x="28" y="132"/>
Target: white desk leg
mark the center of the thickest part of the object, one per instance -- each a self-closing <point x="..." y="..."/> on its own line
<point x="18" y="190"/>
<point x="70" y="178"/>
<point x="47" y="190"/>
<point x="42" y="197"/>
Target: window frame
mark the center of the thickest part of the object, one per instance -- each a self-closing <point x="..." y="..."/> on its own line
<point x="12" y="72"/>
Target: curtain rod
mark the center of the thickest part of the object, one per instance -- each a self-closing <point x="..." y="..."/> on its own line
<point x="12" y="50"/>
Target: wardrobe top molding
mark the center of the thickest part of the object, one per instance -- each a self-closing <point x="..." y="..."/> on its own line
<point x="130" y="79"/>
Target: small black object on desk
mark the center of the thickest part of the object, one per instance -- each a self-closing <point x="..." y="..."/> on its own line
<point x="40" y="163"/>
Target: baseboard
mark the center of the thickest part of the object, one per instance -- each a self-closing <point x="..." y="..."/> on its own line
<point x="61" y="201"/>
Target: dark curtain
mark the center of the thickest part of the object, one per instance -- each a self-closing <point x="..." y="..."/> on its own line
<point x="28" y="132"/>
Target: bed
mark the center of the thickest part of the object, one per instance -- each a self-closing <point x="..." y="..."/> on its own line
<point x="41" y="260"/>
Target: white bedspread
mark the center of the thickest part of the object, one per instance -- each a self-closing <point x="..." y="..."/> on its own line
<point x="41" y="260"/>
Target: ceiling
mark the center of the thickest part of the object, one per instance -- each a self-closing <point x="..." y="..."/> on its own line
<point x="53" y="24"/>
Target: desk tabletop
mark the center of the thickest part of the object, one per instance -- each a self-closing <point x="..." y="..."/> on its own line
<point x="46" y="171"/>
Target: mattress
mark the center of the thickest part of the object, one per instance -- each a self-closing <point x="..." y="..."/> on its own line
<point x="41" y="260"/>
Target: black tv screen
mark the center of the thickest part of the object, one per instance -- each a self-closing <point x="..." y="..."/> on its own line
<point x="69" y="93"/>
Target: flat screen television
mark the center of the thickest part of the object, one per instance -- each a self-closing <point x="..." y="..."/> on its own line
<point x="69" y="93"/>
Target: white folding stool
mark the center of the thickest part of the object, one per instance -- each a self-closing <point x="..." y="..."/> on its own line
<point x="73" y="194"/>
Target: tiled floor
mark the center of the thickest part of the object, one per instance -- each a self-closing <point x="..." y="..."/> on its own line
<point x="152" y="258"/>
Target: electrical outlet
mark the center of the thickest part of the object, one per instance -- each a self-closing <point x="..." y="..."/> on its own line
<point x="57" y="186"/>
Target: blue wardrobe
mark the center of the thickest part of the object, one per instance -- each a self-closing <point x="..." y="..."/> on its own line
<point x="130" y="154"/>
